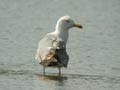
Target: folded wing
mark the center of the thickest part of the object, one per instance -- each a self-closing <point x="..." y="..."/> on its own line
<point x="52" y="52"/>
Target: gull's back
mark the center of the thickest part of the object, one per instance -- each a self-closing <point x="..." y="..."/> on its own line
<point x="51" y="52"/>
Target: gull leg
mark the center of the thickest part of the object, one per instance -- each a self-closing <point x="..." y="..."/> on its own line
<point x="59" y="71"/>
<point x="43" y="70"/>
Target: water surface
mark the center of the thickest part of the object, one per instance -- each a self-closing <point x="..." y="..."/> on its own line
<point x="94" y="51"/>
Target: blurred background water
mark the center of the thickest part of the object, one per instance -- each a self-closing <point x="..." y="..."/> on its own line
<point x="94" y="51"/>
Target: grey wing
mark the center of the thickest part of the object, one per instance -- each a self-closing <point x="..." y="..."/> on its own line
<point x="51" y="48"/>
<point x="61" y="53"/>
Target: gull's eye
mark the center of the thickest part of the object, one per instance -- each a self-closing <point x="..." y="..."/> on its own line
<point x="67" y="21"/>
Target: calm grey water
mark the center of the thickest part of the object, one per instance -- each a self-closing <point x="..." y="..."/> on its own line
<point x="94" y="51"/>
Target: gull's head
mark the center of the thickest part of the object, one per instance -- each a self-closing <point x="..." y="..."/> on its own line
<point x="66" y="23"/>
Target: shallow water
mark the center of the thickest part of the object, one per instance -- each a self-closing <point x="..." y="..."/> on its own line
<point x="94" y="51"/>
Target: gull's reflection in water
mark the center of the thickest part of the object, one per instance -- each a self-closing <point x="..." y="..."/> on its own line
<point x="51" y="77"/>
<point x="50" y="81"/>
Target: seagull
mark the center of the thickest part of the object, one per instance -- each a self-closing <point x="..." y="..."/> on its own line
<point x="51" y="50"/>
